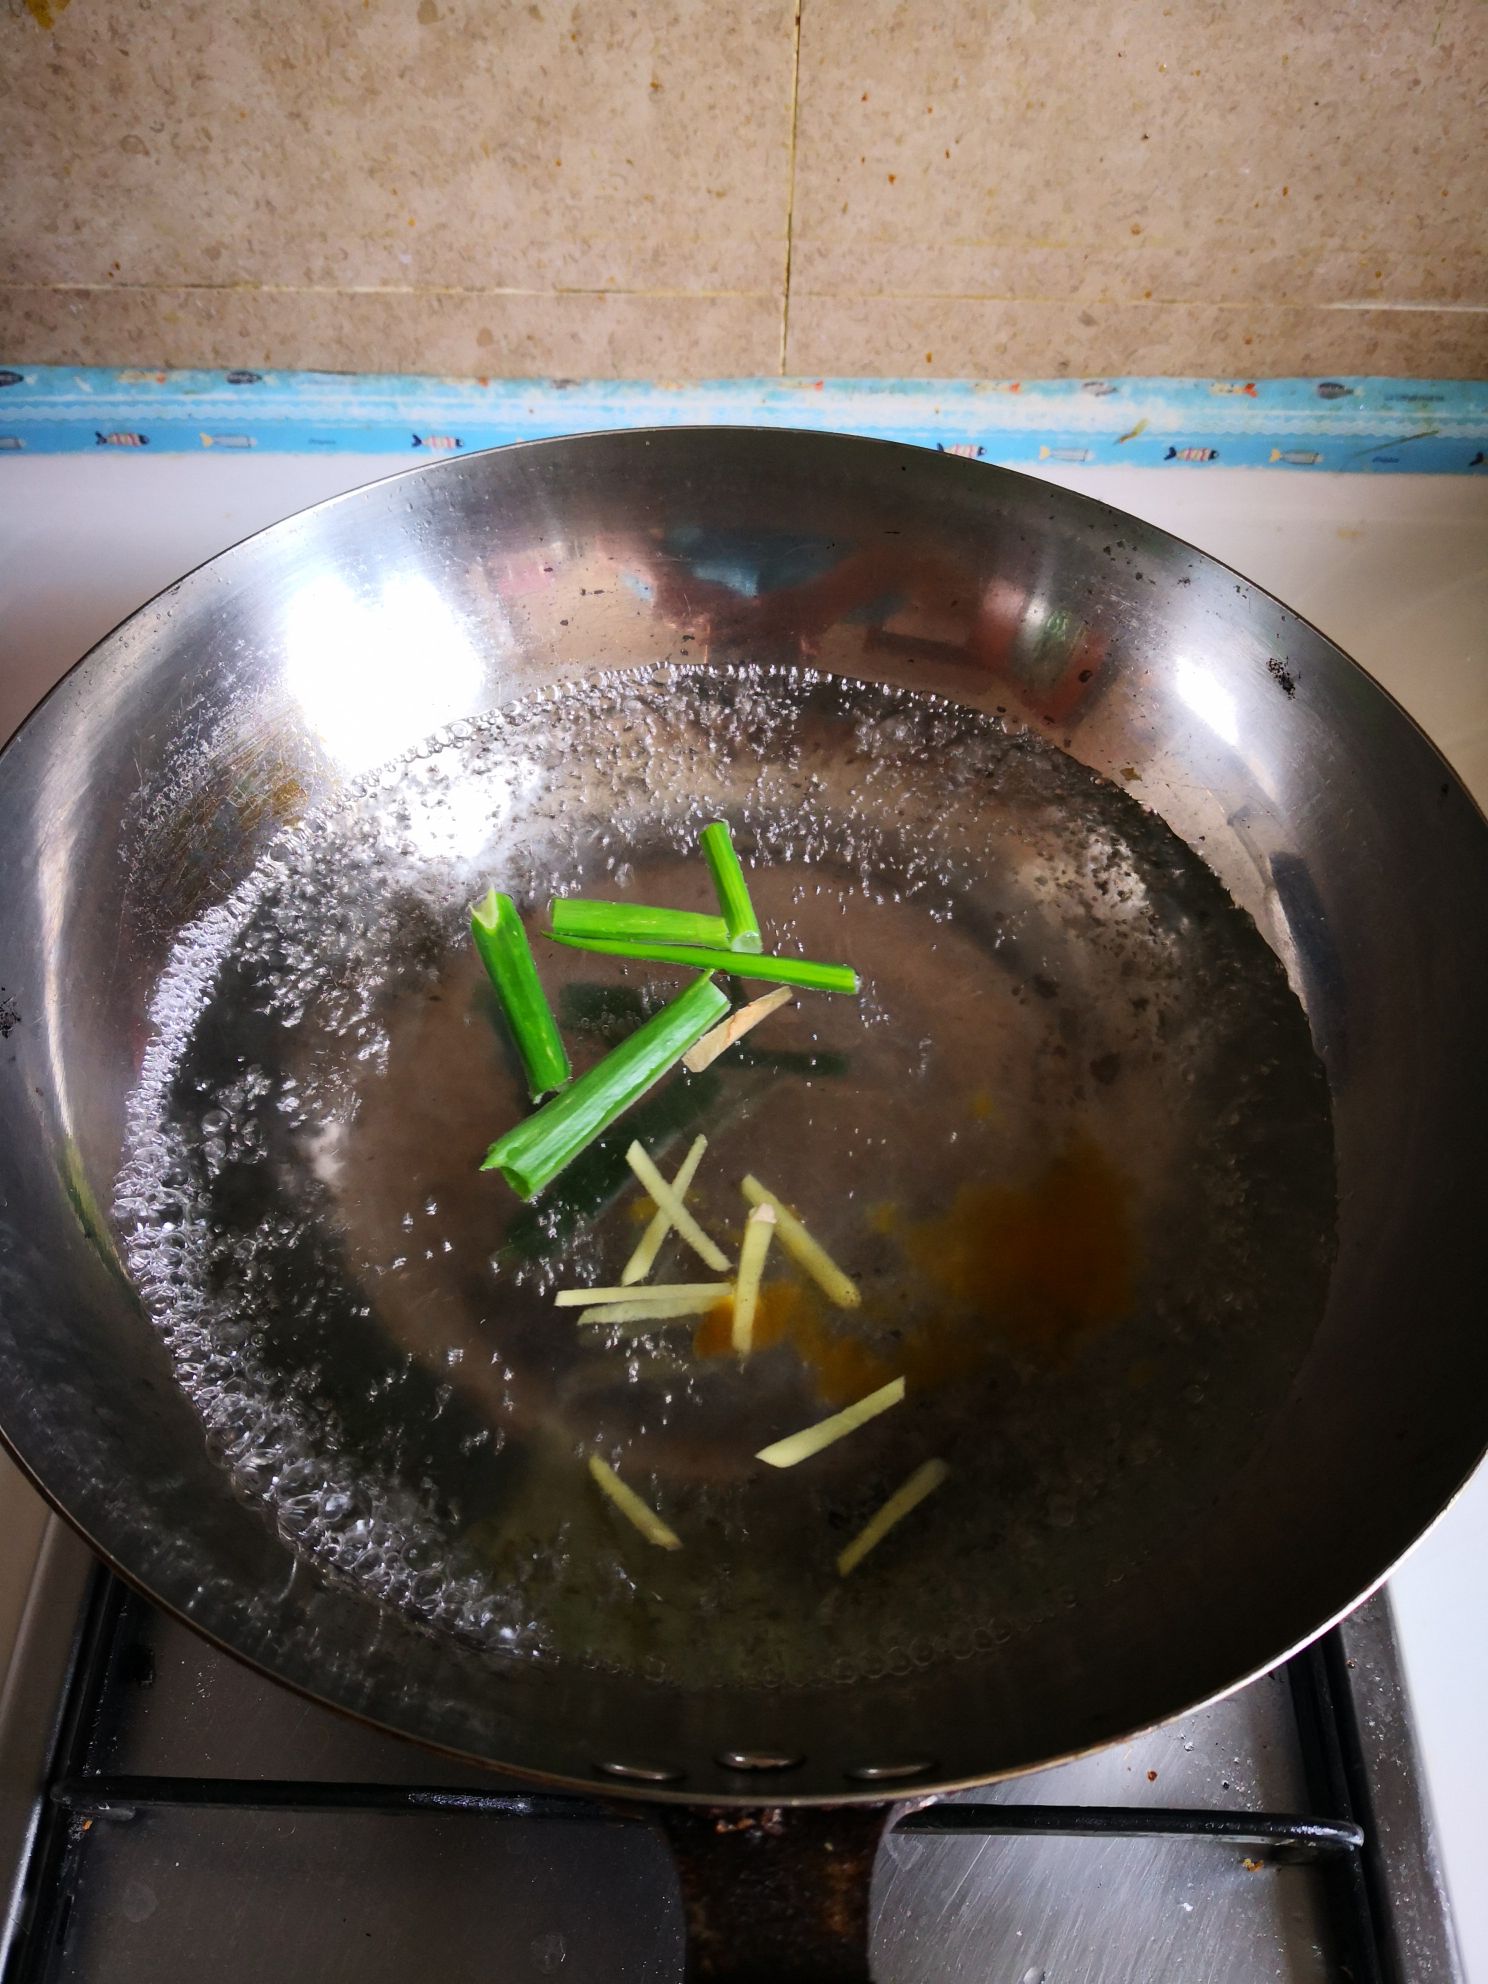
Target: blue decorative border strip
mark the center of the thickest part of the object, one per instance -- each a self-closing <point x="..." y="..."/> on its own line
<point x="1437" y="426"/>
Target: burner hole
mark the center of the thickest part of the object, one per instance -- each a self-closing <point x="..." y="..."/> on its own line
<point x="879" y="1773"/>
<point x="761" y="1760"/>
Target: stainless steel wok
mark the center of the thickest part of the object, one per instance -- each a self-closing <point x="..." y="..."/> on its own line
<point x="268" y="687"/>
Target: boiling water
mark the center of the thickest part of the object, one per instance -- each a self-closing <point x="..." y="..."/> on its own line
<point x="1072" y="1140"/>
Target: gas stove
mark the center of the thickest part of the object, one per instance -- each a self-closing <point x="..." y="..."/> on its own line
<point x="192" y="1818"/>
<point x="165" y="1811"/>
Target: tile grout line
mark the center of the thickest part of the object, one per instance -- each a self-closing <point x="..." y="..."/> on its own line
<point x="361" y="289"/>
<point x="1366" y="303"/>
<point x="790" y="190"/>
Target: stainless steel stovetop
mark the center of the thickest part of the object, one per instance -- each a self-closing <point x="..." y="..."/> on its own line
<point x="173" y="1814"/>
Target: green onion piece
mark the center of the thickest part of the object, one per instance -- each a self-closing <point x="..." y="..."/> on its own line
<point x="532" y="1153"/>
<point x="782" y="971"/>
<point x="598" y="1176"/>
<point x="502" y="943"/>
<point x="575" y="916"/>
<point x="732" y="890"/>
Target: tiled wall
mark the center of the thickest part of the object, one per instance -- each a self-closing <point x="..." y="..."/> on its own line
<point x="691" y="188"/>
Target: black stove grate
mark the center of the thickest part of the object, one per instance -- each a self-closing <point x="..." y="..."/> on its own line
<point x="79" y="1795"/>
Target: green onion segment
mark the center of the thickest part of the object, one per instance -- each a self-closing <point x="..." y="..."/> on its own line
<point x="732" y="890"/>
<point x="781" y="971"/>
<point x="576" y="916"/>
<point x="534" y="1151"/>
<point x="502" y="943"/>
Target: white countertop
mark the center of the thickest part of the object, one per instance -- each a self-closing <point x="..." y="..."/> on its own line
<point x="1394" y="568"/>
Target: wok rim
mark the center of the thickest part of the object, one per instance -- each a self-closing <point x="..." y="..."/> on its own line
<point x="768" y="1792"/>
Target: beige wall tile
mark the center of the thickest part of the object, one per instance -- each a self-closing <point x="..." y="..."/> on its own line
<point x="481" y="144"/>
<point x="495" y="336"/>
<point x="961" y="338"/>
<point x="1158" y="275"/>
<point x="980" y="187"/>
<point x="1135" y="149"/>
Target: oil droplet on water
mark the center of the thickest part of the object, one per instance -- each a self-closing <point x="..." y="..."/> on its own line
<point x="1031" y="1269"/>
<point x="1072" y="1143"/>
<point x="1044" y="1264"/>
